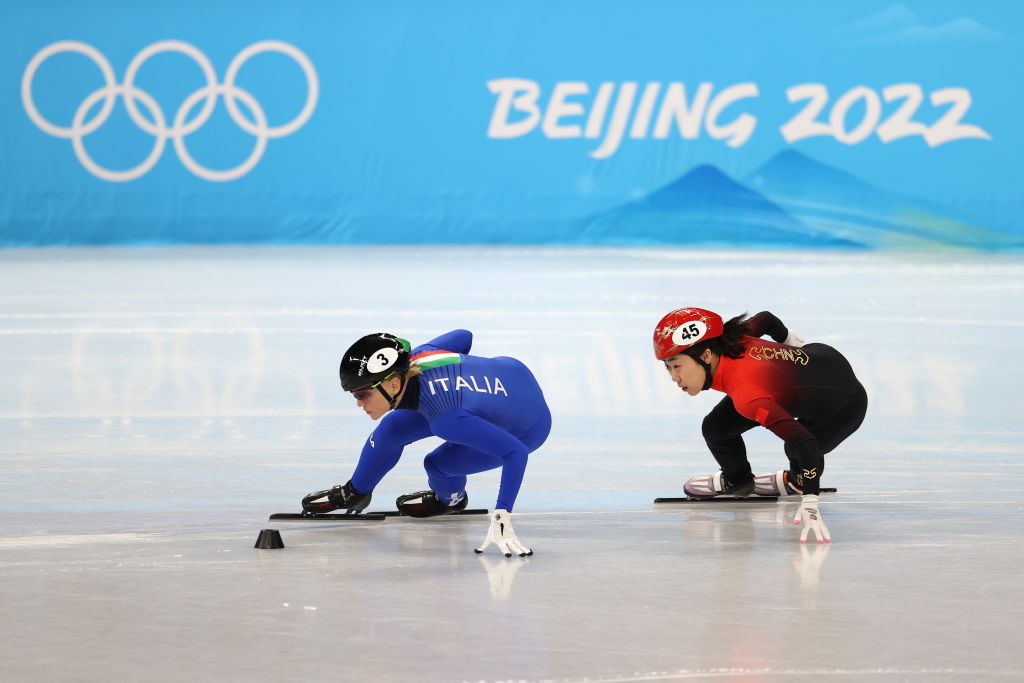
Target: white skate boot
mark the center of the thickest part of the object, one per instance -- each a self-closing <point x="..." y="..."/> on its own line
<point x="774" y="484"/>
<point x="711" y="485"/>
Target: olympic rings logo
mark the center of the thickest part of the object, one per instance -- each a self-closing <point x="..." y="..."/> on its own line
<point x="181" y="127"/>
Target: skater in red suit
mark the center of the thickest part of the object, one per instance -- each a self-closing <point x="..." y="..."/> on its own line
<point x="806" y="394"/>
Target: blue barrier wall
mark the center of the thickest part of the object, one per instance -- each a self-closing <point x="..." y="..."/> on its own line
<point x="846" y="124"/>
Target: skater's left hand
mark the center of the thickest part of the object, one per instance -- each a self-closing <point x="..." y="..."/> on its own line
<point x="793" y="339"/>
<point x="810" y="517"/>
<point x="503" y="535"/>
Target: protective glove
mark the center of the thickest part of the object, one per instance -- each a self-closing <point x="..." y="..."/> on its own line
<point x="503" y="535"/>
<point x="793" y="339"/>
<point x="336" y="498"/>
<point x="809" y="516"/>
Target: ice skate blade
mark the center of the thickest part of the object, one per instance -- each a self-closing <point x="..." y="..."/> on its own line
<point x="325" y="517"/>
<point x="372" y="516"/>
<point x="469" y="512"/>
<point x="734" y="499"/>
<point x="716" y="499"/>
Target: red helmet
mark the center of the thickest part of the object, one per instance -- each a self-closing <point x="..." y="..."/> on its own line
<point x="684" y="327"/>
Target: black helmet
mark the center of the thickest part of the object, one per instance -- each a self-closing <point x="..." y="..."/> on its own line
<point x="373" y="359"/>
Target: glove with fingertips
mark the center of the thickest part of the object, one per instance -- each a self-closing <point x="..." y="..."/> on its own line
<point x="810" y="517"/>
<point x="504" y="536"/>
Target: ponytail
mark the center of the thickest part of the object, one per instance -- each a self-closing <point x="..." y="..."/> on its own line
<point x="729" y="343"/>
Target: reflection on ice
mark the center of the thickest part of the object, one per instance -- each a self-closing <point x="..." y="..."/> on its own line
<point x="160" y="403"/>
<point x="501" y="572"/>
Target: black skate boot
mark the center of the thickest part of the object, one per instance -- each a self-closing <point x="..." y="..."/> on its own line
<point x="336" y="498"/>
<point x="427" y="504"/>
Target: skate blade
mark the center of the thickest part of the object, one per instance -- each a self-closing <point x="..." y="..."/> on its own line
<point x="324" y="517"/>
<point x="469" y="512"/>
<point x="733" y="499"/>
<point x="716" y="499"/>
<point x="372" y="516"/>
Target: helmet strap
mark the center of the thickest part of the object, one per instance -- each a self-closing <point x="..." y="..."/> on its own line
<point x="708" y="377"/>
<point x="392" y="400"/>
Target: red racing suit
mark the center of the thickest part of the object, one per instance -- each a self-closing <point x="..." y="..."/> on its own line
<point x="808" y="396"/>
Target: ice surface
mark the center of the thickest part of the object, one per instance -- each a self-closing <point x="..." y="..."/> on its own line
<point x="160" y="403"/>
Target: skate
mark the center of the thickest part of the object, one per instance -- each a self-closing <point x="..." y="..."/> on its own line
<point x="320" y="502"/>
<point x="716" y="484"/>
<point x="336" y="498"/>
<point x="774" y="484"/>
<point x="427" y="504"/>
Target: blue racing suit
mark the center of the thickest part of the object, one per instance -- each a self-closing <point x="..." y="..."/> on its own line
<point x="489" y="411"/>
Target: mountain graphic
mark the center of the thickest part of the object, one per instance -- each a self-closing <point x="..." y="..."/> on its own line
<point x="897" y="25"/>
<point x="840" y="204"/>
<point x="703" y="207"/>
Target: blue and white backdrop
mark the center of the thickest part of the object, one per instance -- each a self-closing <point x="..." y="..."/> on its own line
<point x="849" y="124"/>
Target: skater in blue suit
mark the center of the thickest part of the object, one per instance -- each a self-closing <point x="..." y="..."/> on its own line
<point x="490" y="412"/>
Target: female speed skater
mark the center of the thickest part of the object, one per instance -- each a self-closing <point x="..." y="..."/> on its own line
<point x="806" y="394"/>
<point x="490" y="412"/>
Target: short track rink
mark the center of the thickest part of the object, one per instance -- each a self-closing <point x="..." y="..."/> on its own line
<point x="161" y="404"/>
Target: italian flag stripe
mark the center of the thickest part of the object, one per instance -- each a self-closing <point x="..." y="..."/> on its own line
<point x="435" y="359"/>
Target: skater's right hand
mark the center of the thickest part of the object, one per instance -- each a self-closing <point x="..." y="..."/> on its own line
<point x="337" y="498"/>
<point x="793" y="339"/>
<point x="810" y="517"/>
<point x="503" y="535"/>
